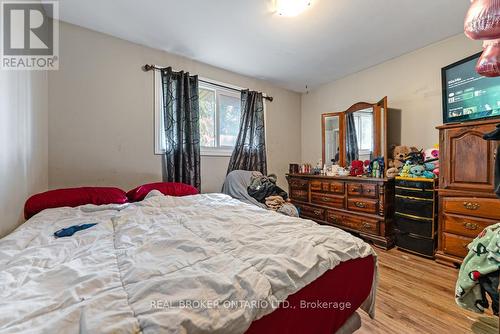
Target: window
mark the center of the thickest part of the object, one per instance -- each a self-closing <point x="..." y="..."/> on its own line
<point x="364" y="131"/>
<point x="220" y="112"/>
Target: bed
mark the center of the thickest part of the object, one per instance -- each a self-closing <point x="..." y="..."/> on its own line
<point x="196" y="264"/>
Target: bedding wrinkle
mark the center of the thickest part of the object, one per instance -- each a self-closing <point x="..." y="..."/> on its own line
<point x="120" y="276"/>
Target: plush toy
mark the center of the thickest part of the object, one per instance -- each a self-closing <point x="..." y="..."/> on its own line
<point x="415" y="157"/>
<point x="431" y="157"/>
<point x="392" y="172"/>
<point x="428" y="175"/>
<point x="405" y="171"/>
<point x="417" y="170"/>
<point x="366" y="166"/>
<point x="399" y="154"/>
<point x="376" y="167"/>
<point x="357" y="168"/>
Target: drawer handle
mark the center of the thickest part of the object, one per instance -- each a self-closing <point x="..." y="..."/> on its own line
<point x="470" y="226"/>
<point x="360" y="205"/>
<point x="317" y="212"/>
<point x="471" y="205"/>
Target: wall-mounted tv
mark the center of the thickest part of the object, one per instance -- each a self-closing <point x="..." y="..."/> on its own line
<point x="467" y="96"/>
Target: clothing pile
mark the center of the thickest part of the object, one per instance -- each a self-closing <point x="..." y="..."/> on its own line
<point x="264" y="190"/>
<point x="254" y="188"/>
<point x="275" y="202"/>
<point x="479" y="272"/>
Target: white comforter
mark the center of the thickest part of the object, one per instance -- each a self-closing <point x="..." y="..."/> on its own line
<point x="141" y="266"/>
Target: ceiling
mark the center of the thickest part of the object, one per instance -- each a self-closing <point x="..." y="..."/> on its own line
<point x="332" y="39"/>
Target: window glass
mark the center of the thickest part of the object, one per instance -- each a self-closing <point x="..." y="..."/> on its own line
<point x="208" y="134"/>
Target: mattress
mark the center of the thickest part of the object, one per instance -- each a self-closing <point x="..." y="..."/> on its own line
<point x="194" y="264"/>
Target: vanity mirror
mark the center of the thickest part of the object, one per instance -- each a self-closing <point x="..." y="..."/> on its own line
<point x="358" y="133"/>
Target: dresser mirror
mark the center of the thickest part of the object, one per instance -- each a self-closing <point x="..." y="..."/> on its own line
<point x="333" y="138"/>
<point x="358" y="133"/>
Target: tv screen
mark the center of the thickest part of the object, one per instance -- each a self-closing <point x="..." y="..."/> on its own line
<point x="467" y="95"/>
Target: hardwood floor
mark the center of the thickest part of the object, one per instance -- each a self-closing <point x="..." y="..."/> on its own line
<point x="416" y="295"/>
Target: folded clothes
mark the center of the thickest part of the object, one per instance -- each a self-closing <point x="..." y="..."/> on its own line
<point x="69" y="231"/>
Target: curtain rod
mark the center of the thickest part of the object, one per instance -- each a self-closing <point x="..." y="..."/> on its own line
<point x="148" y="68"/>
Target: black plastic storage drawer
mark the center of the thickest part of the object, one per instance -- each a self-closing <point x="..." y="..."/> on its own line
<point x="409" y="183"/>
<point x="415" y="192"/>
<point x="413" y="243"/>
<point x="420" y="227"/>
<point x="422" y="208"/>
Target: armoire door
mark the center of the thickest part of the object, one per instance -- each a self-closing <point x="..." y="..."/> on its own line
<point x="467" y="160"/>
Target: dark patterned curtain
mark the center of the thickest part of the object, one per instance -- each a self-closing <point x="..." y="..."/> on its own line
<point x="181" y="161"/>
<point x="250" y="149"/>
<point x="352" y="150"/>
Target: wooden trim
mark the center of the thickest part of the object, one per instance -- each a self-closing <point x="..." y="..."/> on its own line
<point x="342" y="178"/>
<point x="359" y="106"/>
<point x="341" y="116"/>
<point x="469" y="124"/>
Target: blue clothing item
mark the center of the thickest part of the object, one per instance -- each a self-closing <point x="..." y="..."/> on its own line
<point x="69" y="231"/>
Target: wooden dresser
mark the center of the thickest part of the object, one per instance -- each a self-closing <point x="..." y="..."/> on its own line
<point x="467" y="203"/>
<point x="360" y="205"/>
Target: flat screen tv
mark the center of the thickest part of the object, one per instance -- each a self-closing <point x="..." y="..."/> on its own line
<point x="468" y="96"/>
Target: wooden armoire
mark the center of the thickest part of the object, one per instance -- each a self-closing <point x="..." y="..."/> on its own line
<point x="467" y="203"/>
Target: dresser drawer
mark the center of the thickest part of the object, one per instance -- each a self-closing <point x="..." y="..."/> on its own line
<point x="334" y="217"/>
<point x="369" y="190"/>
<point x="415" y="243"/>
<point x="466" y="226"/>
<point x="413" y="225"/>
<point x="295" y="183"/>
<point x="418" y="185"/>
<point x="327" y="187"/>
<point x="354" y="189"/>
<point x="299" y="195"/>
<point x="455" y="244"/>
<point x="328" y="200"/>
<point x="414" y="192"/>
<point x="478" y="207"/>
<point x="362" y="189"/>
<point x="418" y="207"/>
<point x="316" y="185"/>
<point x="361" y="224"/>
<point x="362" y="205"/>
<point x="337" y="187"/>
<point x="307" y="211"/>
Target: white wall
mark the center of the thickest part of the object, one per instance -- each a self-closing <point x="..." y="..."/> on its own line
<point x="411" y="82"/>
<point x="101" y="114"/>
<point x="23" y="142"/>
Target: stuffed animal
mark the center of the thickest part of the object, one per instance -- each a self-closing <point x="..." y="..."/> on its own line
<point x="399" y="154"/>
<point x="428" y="175"/>
<point x="367" y="166"/>
<point x="415" y="157"/>
<point x="376" y="167"/>
<point x="392" y="172"/>
<point x="431" y="156"/>
<point x="357" y="168"/>
<point x="420" y="171"/>
<point x="417" y="170"/>
<point x="405" y="171"/>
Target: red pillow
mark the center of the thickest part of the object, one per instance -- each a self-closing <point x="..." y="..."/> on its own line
<point x="73" y="197"/>
<point x="166" y="188"/>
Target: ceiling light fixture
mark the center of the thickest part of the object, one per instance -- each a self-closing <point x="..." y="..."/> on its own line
<point x="291" y="7"/>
